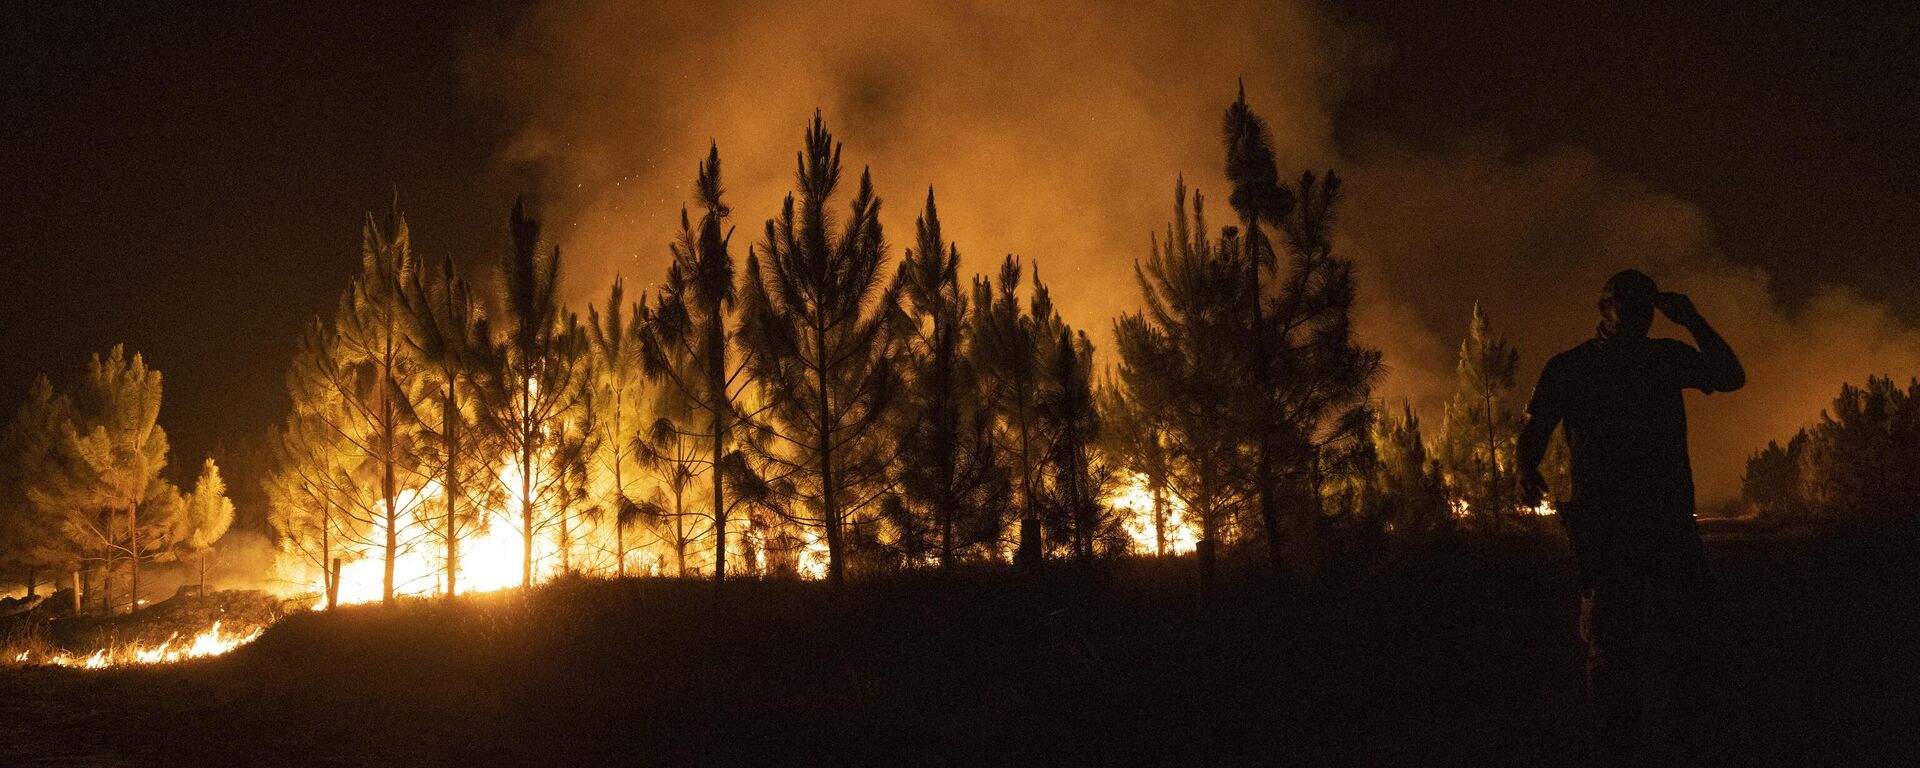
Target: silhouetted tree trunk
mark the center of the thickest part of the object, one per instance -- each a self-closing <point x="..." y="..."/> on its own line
<point x="836" y="559"/>
<point x="720" y="411"/>
<point x="1158" y="482"/>
<point x="680" y="537"/>
<point x="389" y="486"/>
<point x="1032" y="549"/>
<point x="451" y="485"/>
<point x="133" y="571"/>
<point x="619" y="527"/>
<point x="526" y="495"/>
<point x="329" y="565"/>
<point x="333" y="586"/>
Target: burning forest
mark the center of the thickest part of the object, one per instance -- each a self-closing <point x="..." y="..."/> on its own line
<point x="1156" y="418"/>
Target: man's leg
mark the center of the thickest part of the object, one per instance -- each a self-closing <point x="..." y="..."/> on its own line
<point x="1689" y="615"/>
<point x="1610" y="622"/>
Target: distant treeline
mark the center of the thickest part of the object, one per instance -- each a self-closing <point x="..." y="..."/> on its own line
<point x="1862" y="458"/>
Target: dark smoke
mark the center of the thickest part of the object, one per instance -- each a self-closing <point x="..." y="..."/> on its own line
<point x="1056" y="131"/>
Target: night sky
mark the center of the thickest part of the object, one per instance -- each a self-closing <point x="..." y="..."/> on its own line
<point x="1791" y="124"/>
<point x="191" y="182"/>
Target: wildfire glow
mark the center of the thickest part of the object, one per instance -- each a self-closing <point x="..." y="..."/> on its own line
<point x="492" y="550"/>
<point x="491" y="553"/>
<point x="211" y="642"/>
<point x="812" y="562"/>
<point x="1462" y="510"/>
<point x="1133" y="501"/>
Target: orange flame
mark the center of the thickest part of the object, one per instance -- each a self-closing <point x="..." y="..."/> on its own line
<point x="213" y="641"/>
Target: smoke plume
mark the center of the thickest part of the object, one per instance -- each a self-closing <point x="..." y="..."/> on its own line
<point x="1056" y="131"/>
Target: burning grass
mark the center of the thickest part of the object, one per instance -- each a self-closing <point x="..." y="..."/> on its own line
<point x="184" y="627"/>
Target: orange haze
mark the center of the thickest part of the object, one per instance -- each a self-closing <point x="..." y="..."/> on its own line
<point x="1057" y="132"/>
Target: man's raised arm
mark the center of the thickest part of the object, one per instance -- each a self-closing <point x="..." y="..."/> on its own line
<point x="1720" y="369"/>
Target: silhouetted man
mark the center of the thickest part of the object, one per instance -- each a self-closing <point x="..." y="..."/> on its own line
<point x="1631" y="515"/>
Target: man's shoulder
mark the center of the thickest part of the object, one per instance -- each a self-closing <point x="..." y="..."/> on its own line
<point x="1591" y="348"/>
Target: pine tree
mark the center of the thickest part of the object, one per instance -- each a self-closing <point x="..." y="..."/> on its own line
<point x="1008" y="346"/>
<point x="1482" y="423"/>
<point x="1310" y="378"/>
<point x="1067" y="415"/>
<point x="30" y="541"/>
<point x="816" y="321"/>
<point x="1323" y="375"/>
<point x="102" y="483"/>
<point x="299" y="507"/>
<point x="1133" y="437"/>
<point x="532" y="383"/>
<point x="313" y="483"/>
<point x="685" y="343"/>
<point x="948" y="454"/>
<point x="1409" y="494"/>
<point x="19" y="530"/>
<point x="620" y="414"/>
<point x="208" y="515"/>
<point x="444" y="326"/>
<point x="1260" y="199"/>
<point x="576" y="442"/>
<point x="120" y="447"/>
<point x="365" y="372"/>
<point x="1185" y="357"/>
<point x="678" y="460"/>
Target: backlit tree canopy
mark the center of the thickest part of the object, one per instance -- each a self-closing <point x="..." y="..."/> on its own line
<point x="823" y="408"/>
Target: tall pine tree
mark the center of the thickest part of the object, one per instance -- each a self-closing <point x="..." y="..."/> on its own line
<point x="620" y="415"/>
<point x="1259" y="199"/>
<point x="948" y="453"/>
<point x="1309" y="415"/>
<point x="533" y="383"/>
<point x="366" y="363"/>
<point x="443" y="326"/>
<point x="1010" y="345"/>
<point x="1077" y="479"/>
<point x="687" y="342"/>
<point x="1482" y="423"/>
<point x="1185" y="357"/>
<point x="816" y="321"/>
<point x="116" y="442"/>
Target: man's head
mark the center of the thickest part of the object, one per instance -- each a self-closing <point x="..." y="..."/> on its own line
<point x="1626" y="304"/>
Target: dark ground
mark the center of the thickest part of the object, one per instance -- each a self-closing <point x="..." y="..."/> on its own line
<point x="1403" y="663"/>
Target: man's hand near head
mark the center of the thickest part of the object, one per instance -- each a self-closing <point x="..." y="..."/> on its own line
<point x="1722" y="369"/>
<point x="1677" y="307"/>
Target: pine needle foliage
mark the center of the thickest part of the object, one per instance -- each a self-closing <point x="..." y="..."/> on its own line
<point x="816" y="320"/>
